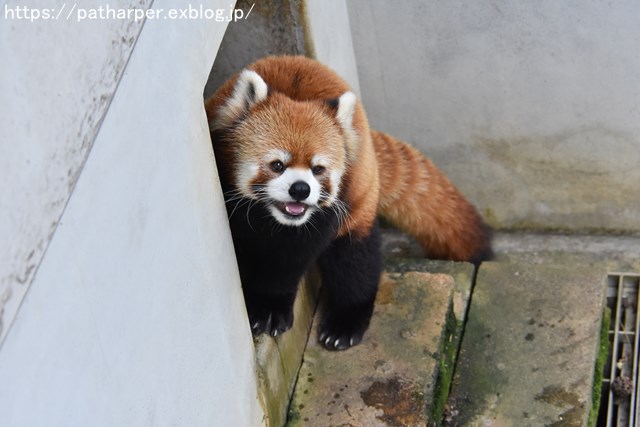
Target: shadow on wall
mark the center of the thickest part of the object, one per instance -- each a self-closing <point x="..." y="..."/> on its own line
<point x="272" y="28"/>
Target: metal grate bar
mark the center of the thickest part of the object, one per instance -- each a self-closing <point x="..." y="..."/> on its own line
<point x="614" y="349"/>
<point x="633" y="281"/>
<point x="623" y="402"/>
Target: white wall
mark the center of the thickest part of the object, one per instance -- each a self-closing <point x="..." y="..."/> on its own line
<point x="331" y="34"/>
<point x="134" y="314"/>
<point x="57" y="80"/>
<point x="532" y="108"/>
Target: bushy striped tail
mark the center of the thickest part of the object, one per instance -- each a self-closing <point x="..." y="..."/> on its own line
<point x="417" y="197"/>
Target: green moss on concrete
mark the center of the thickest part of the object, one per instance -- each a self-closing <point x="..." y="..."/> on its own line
<point x="603" y="354"/>
<point x="476" y="378"/>
<point x="446" y="367"/>
<point x="293" y="416"/>
<point x="540" y="227"/>
<point x="490" y="217"/>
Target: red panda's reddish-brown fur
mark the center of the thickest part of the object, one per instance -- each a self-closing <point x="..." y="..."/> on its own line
<point x="313" y="80"/>
<point x="418" y="198"/>
<point x="384" y="175"/>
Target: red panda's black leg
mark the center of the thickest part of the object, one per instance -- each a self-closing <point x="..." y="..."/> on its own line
<point x="271" y="260"/>
<point x="270" y="313"/>
<point x="351" y="271"/>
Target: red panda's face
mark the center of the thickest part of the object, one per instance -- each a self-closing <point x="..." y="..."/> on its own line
<point x="289" y="155"/>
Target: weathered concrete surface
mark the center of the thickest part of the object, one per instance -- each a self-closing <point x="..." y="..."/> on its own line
<point x="396" y="244"/>
<point x="403" y="254"/>
<point x="279" y="358"/>
<point x="531" y="340"/>
<point x="616" y="248"/>
<point x="135" y="315"/>
<point x="287" y="27"/>
<point x="462" y="273"/>
<point x="57" y="81"/>
<point x="272" y="28"/>
<point x="330" y="32"/>
<point x="496" y="93"/>
<point x="315" y="29"/>
<point x="388" y="379"/>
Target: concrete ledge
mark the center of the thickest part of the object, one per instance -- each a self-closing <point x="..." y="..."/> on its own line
<point x="531" y="340"/>
<point x="389" y="379"/>
<point x="462" y="273"/>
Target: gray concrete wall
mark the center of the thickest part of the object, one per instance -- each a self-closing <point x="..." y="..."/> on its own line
<point x="314" y="28"/>
<point x="532" y="108"/>
<point x="274" y="27"/>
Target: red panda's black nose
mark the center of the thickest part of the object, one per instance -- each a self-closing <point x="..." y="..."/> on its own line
<point x="299" y="190"/>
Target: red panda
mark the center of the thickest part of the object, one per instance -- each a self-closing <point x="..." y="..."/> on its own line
<point x="304" y="180"/>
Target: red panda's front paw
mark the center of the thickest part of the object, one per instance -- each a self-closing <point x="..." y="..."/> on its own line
<point x="338" y="341"/>
<point x="270" y="322"/>
<point x="340" y="331"/>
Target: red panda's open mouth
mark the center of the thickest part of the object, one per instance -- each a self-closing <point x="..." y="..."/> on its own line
<point x="294" y="209"/>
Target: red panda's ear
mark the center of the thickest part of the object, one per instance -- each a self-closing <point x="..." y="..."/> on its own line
<point x="249" y="90"/>
<point x="346" y="108"/>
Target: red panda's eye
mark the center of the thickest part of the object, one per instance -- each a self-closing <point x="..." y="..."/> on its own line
<point x="318" y="170"/>
<point x="277" y="166"/>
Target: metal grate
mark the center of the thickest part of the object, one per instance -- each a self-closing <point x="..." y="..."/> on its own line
<point x="620" y="382"/>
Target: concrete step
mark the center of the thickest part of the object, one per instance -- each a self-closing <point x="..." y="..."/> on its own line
<point x="527" y="353"/>
<point x="532" y="339"/>
<point x="394" y="377"/>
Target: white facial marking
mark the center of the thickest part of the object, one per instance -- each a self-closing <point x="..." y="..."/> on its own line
<point x="247" y="171"/>
<point x="276" y="154"/>
<point x="335" y="175"/>
<point x="278" y="190"/>
<point x="320" y="160"/>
